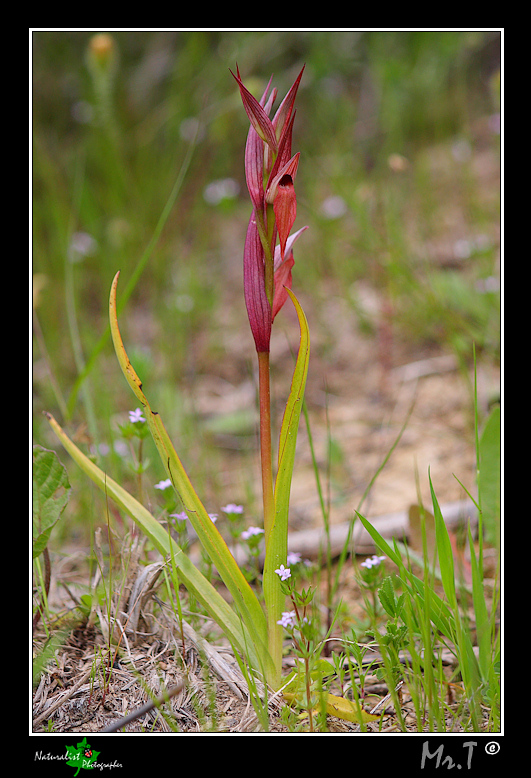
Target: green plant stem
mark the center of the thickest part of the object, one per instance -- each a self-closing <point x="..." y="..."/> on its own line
<point x="272" y="586"/>
<point x="265" y="442"/>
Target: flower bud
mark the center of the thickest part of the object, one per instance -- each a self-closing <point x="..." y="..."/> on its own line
<point x="102" y="54"/>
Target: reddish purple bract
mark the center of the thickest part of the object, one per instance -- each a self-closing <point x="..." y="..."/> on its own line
<point x="270" y="172"/>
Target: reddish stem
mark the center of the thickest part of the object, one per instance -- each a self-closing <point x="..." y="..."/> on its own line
<point x="265" y="442"/>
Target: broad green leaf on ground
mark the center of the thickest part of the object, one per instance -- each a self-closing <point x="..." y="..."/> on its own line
<point x="347" y="710"/>
<point x="51" y="490"/>
<point x="294" y="692"/>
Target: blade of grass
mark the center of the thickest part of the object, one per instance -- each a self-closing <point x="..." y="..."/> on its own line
<point x="468" y="662"/>
<point x="444" y="551"/>
<point x="483" y="625"/>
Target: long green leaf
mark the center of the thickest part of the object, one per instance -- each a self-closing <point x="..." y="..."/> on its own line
<point x="483" y="626"/>
<point x="192" y="578"/>
<point x="244" y="598"/>
<point x="444" y="552"/>
<point x="489" y="476"/>
<point x="276" y="551"/>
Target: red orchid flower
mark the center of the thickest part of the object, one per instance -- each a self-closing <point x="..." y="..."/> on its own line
<point x="281" y="193"/>
<point x="270" y="172"/>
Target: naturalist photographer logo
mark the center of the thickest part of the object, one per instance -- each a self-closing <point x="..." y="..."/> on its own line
<point x="81" y="757"/>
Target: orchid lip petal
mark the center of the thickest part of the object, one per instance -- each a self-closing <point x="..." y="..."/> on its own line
<point x="283" y="268"/>
<point x="285" y="208"/>
<point x="289" y="169"/>
<point x="289" y="246"/>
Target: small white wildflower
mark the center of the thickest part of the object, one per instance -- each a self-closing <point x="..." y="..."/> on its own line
<point x="293" y="558"/>
<point x="222" y="189"/>
<point x="163" y="484"/>
<point x="372" y="561"/>
<point x="81" y="245"/>
<point x="333" y="207"/>
<point x="213" y="517"/>
<point x="135" y="416"/>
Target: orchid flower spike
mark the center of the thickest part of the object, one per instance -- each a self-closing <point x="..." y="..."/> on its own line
<point x="270" y="171"/>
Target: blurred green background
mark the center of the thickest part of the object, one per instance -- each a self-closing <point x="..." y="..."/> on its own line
<point x="398" y="181"/>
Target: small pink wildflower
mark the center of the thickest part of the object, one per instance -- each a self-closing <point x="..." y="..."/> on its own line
<point x="232" y="508"/>
<point x="283" y="572"/>
<point x="293" y="558"/>
<point x="251" y="532"/>
<point x="288" y="619"/>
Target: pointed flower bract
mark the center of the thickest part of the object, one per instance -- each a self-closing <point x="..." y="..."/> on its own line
<point x="270" y="172"/>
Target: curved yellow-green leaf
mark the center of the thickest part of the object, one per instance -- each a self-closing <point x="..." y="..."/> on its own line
<point x="290" y="421"/>
<point x="276" y="551"/>
<point x="192" y="578"/>
<point x="339" y="707"/>
<point x="244" y="598"/>
<point x="294" y="692"/>
<point x="346" y="710"/>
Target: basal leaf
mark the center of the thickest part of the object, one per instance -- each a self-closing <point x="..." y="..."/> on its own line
<point x="214" y="544"/>
<point x="191" y="577"/>
<point x="276" y="552"/>
<point x="347" y="710"/>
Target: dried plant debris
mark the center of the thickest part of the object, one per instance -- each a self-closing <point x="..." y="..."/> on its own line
<point x="201" y="690"/>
